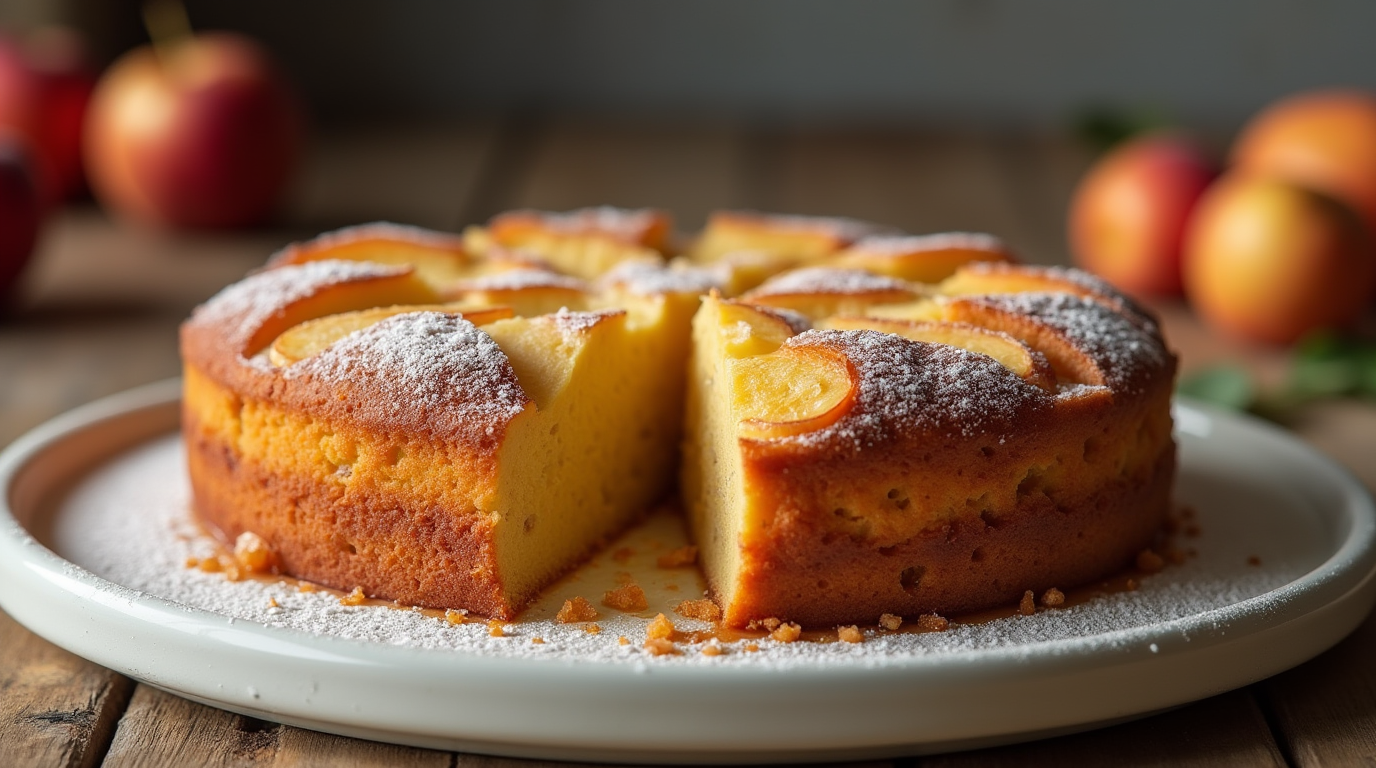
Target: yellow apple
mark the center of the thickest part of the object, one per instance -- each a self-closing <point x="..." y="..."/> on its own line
<point x="1271" y="261"/>
<point x="1324" y="140"/>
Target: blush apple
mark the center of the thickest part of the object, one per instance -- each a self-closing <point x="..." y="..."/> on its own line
<point x="201" y="132"/>
<point x="1324" y="140"/>
<point x="19" y="213"/>
<point x="1128" y="215"/>
<point x="44" y="88"/>
<point x="1269" y="260"/>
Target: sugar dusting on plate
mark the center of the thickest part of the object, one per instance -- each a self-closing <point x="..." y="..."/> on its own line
<point x="128" y="522"/>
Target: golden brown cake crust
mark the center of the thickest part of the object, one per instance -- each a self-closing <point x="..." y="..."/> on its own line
<point x="415" y="385"/>
<point x="952" y="484"/>
<point x="393" y="376"/>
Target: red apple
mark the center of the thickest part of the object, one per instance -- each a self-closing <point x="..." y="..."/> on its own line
<point x="44" y="88"/>
<point x="1128" y="215"/>
<point x="1271" y="261"/>
<point x="19" y="212"/>
<point x="202" y="132"/>
<point x="1324" y="140"/>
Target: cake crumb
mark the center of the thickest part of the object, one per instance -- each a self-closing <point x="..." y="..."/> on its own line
<point x="355" y="597"/>
<point x="622" y="640"/>
<point x="537" y="641"/>
<point x="1149" y="562"/>
<point x="192" y="562"/>
<point x="210" y="565"/>
<point x="1053" y="597"/>
<point x="786" y="633"/>
<point x="850" y="634"/>
<point x="1028" y="604"/>
<point x="629" y="598"/>
<point x="623" y="554"/>
<point x="770" y="624"/>
<point x="1131" y="585"/>
<point x="712" y="649"/>
<point x="272" y="603"/>
<point x="1253" y="560"/>
<point x="890" y="622"/>
<point x="455" y="617"/>
<point x="305" y="586"/>
<point x="685" y="555"/>
<point x="931" y="622"/>
<point x="254" y="554"/>
<point x="658" y="646"/>
<point x="752" y="648"/>
<point x="575" y="610"/>
<point x="495" y="629"/>
<point x="660" y="628"/>
<point x="593" y="629"/>
<point x="703" y="609"/>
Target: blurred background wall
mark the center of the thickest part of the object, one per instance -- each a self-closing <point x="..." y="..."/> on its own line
<point x="967" y="63"/>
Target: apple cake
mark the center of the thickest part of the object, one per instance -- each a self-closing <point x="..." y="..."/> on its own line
<point x="431" y="427"/>
<point x="858" y="421"/>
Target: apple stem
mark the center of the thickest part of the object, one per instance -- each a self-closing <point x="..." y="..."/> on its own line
<point x="167" y="25"/>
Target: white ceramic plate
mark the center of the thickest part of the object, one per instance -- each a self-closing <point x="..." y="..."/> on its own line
<point x="99" y="493"/>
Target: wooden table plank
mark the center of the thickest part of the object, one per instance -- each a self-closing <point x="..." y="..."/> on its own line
<point x="162" y="729"/>
<point x="55" y="709"/>
<point x="1227" y="730"/>
<point x="1325" y="707"/>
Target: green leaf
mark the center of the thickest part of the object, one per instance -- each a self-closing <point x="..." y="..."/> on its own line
<point x="1326" y="365"/>
<point x="1102" y="126"/>
<point x="1228" y="386"/>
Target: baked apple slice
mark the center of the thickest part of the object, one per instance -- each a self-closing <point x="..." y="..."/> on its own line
<point x="792" y="391"/>
<point x="528" y="292"/>
<point x="314" y="336"/>
<point x="359" y="286"/>
<point x="747" y="331"/>
<point x="1071" y="361"/>
<point x="819" y="292"/>
<point x="992" y="278"/>
<point x="1030" y="365"/>
<point x="921" y="258"/>
<point x="586" y="242"/>
<point x="792" y="239"/>
<point x="438" y="258"/>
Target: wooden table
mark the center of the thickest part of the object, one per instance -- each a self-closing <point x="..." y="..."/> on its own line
<point x="103" y="301"/>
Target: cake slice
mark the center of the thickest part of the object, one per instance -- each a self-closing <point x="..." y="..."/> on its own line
<point x="451" y="442"/>
<point x="945" y="457"/>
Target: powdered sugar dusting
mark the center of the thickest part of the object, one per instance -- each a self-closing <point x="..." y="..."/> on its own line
<point x="626" y="224"/>
<point x="419" y="369"/>
<point x="571" y="323"/>
<point x="915" y="388"/>
<point x="828" y="281"/>
<point x="127" y="522"/>
<point x="245" y="306"/>
<point x="649" y="278"/>
<point x="1124" y="352"/>
<point x="1078" y="277"/>
<point x="522" y="279"/>
<point x="377" y="230"/>
<point x="902" y="245"/>
<point x="844" y="229"/>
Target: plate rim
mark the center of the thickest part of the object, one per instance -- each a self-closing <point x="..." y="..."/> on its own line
<point x="1346" y="575"/>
